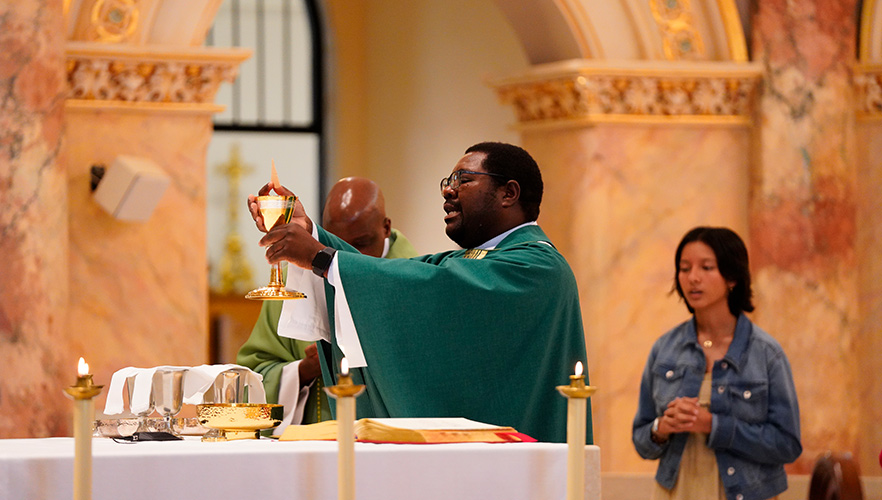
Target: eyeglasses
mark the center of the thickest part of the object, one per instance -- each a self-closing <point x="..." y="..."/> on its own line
<point x="454" y="180"/>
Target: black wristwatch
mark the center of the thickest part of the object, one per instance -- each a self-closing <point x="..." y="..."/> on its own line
<point x="322" y="261"/>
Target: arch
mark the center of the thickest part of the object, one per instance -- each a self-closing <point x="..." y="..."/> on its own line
<point x="556" y="30"/>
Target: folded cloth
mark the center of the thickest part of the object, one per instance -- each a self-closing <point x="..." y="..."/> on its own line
<point x="196" y="382"/>
<point x="141" y="393"/>
<point x="200" y="379"/>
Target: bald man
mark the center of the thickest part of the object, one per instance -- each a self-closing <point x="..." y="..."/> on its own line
<point x="355" y="211"/>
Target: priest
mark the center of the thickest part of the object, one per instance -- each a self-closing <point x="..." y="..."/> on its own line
<point x="485" y="332"/>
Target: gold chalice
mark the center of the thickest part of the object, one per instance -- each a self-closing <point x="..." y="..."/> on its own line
<point x="238" y="420"/>
<point x="275" y="210"/>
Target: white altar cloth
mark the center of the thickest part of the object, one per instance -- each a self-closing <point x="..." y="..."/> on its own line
<point x="37" y="469"/>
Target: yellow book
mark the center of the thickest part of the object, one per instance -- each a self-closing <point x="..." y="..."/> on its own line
<point x="410" y="430"/>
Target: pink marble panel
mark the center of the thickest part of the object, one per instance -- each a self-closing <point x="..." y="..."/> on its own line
<point x="803" y="212"/>
<point x="618" y="198"/>
<point x="33" y="222"/>
<point x="139" y="290"/>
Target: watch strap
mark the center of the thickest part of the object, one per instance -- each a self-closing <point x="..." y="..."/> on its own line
<point x="322" y="261"/>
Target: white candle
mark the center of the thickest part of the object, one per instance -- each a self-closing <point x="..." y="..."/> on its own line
<point x="346" y="451"/>
<point x="345" y="393"/>
<point x="84" y="411"/>
<point x="345" y="439"/>
<point x="577" y="409"/>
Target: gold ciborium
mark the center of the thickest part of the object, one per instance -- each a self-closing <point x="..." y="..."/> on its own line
<point x="239" y="420"/>
<point x="275" y="210"/>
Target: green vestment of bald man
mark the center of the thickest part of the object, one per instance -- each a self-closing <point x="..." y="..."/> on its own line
<point x="268" y="354"/>
<point x="485" y="335"/>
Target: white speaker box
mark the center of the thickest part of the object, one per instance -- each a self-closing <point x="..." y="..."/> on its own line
<point x="131" y="188"/>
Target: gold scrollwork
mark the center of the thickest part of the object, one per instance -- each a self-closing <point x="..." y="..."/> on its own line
<point x="474" y="253"/>
<point x="106" y="79"/>
<point x="868" y="92"/>
<point x="114" y="20"/>
<point x="612" y="97"/>
<point x="680" y="39"/>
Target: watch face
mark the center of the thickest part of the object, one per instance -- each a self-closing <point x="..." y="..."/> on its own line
<point x="322" y="261"/>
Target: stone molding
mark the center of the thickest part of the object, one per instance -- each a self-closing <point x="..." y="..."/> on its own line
<point x="155" y="78"/>
<point x="576" y="93"/>
<point x="868" y="92"/>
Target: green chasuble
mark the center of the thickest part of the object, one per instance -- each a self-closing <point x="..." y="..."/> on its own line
<point x="267" y="353"/>
<point x="485" y="335"/>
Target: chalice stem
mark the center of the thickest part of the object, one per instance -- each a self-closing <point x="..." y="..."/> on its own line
<point x="276" y="275"/>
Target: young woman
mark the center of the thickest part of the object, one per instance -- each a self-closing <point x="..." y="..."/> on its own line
<point x="717" y="402"/>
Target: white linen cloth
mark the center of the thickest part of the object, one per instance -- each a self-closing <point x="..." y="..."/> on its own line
<point x="292" y="396"/>
<point x="266" y="469"/>
<point x="196" y="382"/>
<point x="307" y="319"/>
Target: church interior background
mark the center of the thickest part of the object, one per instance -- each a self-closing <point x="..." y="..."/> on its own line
<point x="648" y="117"/>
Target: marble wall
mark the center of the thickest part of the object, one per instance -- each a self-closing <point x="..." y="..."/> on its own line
<point x="139" y="293"/>
<point x="629" y="170"/>
<point x="803" y="208"/>
<point x="75" y="281"/>
<point x="33" y="222"/>
<point x="618" y="199"/>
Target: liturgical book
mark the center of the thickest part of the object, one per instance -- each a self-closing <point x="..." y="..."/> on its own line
<point x="410" y="430"/>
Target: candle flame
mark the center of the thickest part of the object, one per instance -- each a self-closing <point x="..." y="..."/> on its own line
<point x="344" y="367"/>
<point x="578" y="368"/>
<point x="82" y="368"/>
<point x="274" y="176"/>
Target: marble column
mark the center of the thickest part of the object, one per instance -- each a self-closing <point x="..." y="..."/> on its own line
<point x="803" y="224"/>
<point x="632" y="157"/>
<point x="33" y="222"/>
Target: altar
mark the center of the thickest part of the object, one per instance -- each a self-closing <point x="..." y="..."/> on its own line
<point x="266" y="469"/>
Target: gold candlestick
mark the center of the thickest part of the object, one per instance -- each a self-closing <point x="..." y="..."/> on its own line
<point x="84" y="412"/>
<point x="577" y="394"/>
<point x="345" y="393"/>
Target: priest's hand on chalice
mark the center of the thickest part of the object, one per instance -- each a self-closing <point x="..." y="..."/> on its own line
<point x="299" y="217"/>
<point x="292" y="243"/>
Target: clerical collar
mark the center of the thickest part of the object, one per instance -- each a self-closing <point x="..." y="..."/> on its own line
<point x="491" y="243"/>
<point x="385" y="248"/>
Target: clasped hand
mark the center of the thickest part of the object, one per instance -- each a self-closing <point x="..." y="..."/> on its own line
<point x="292" y="242"/>
<point x="684" y="415"/>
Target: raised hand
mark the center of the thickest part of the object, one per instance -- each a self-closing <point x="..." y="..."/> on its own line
<point x="292" y="243"/>
<point x="299" y="217"/>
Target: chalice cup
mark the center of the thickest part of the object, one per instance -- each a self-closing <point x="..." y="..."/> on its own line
<point x="142" y="416"/>
<point x="228" y="389"/>
<point x="275" y="210"/>
<point x="168" y="395"/>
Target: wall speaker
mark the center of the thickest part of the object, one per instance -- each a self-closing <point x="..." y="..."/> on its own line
<point x="130" y="188"/>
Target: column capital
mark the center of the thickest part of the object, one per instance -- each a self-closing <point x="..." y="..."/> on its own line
<point x="149" y="77"/>
<point x="580" y="92"/>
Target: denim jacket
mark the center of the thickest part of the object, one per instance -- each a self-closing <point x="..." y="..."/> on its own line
<point x="755" y="426"/>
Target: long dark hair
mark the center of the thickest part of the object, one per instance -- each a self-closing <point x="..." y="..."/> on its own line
<point x="731" y="261"/>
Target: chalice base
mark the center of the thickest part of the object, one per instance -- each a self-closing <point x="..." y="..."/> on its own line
<point x="232" y="421"/>
<point x="232" y="435"/>
<point x="274" y="292"/>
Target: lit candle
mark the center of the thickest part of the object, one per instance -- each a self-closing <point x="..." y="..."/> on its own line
<point x="577" y="394"/>
<point x="84" y="412"/>
<point x="345" y="393"/>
